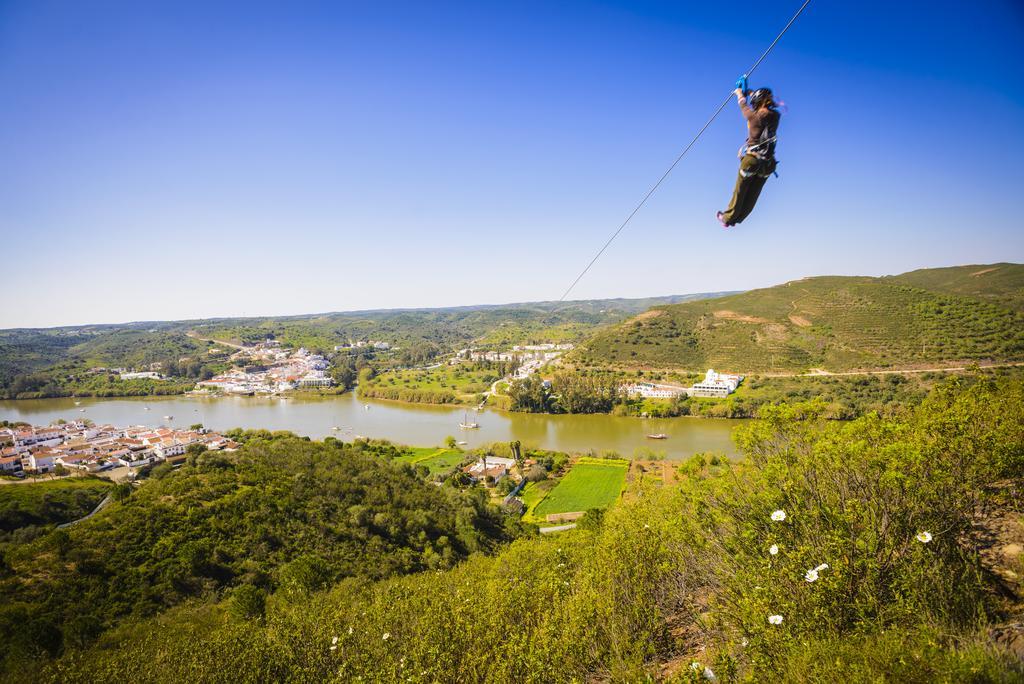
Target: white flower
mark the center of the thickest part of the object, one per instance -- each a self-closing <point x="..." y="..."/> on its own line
<point x="745" y="643"/>
<point x="779" y="515"/>
<point x="775" y="619"/>
<point x="387" y="635"/>
<point x="811" y="576"/>
<point x="924" y="537"/>
<point x="350" y="630"/>
<point x="774" y="549"/>
<point x="695" y="666"/>
<point x="334" y="641"/>
<point x="334" y="648"/>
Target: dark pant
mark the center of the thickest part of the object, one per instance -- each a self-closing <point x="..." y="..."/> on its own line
<point x="748" y="188"/>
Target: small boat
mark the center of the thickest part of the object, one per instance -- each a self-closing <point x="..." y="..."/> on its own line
<point x="466" y="424"/>
<point x="462" y="443"/>
<point x="335" y="428"/>
<point x="168" y="417"/>
<point x="81" y="410"/>
<point x="78" y="403"/>
<point x="366" y="406"/>
<point x="145" y="408"/>
<point x="660" y="435"/>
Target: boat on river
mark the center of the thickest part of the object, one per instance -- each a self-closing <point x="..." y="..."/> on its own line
<point x="659" y="435"/>
<point x="467" y="424"/>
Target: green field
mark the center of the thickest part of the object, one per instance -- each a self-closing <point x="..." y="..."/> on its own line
<point x="591" y="483"/>
<point x="438" y="460"/>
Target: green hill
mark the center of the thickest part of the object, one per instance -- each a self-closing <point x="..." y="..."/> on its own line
<point x="837" y="323"/>
<point x="996" y="283"/>
<point x="48" y="362"/>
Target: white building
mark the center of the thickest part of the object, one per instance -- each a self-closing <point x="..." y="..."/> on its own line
<point x="315" y="379"/>
<point x="151" y="375"/>
<point x="10" y="464"/>
<point x="650" y="390"/>
<point x="41" y="461"/>
<point x="716" y="385"/>
<point x="491" y="466"/>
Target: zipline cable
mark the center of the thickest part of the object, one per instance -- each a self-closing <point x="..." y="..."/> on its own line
<point x="680" y="157"/>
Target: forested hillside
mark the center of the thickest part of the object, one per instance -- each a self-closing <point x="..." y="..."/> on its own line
<point x="282" y="515"/>
<point x="834" y="323"/>
<point x="61" y="361"/>
<point x="834" y="552"/>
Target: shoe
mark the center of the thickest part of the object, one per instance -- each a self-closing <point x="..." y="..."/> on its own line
<point x="721" y="220"/>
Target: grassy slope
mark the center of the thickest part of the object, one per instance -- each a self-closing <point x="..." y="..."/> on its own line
<point x="49" y="502"/>
<point x="837" y="323"/>
<point x="996" y="283"/>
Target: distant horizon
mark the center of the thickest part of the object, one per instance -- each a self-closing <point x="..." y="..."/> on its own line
<point x="354" y="312"/>
<point x="166" y="161"/>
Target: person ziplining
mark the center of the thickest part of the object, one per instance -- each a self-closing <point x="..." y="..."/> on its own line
<point x="753" y="172"/>
<point x="757" y="156"/>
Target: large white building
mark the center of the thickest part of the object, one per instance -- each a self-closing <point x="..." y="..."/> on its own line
<point x="141" y="375"/>
<point x="650" y="390"/>
<point x="716" y="385"/>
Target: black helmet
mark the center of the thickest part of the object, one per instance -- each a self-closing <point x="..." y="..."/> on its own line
<point x="760" y="96"/>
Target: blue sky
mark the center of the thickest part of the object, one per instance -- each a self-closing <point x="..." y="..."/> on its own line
<point x="181" y="160"/>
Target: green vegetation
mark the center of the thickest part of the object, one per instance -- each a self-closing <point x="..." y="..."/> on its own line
<point x="61" y="362"/>
<point x="845" y="397"/>
<point x="436" y="461"/>
<point x="57" y="362"/>
<point x="675" y="575"/>
<point x="1001" y="284"/>
<point x="590" y="483"/>
<point x="441" y="385"/>
<point x="281" y="515"/>
<point x="50" y="502"/>
<point x="837" y="323"/>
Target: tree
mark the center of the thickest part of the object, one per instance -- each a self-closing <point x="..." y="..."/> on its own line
<point x="248" y="603"/>
<point x="121" y="492"/>
<point x="450" y="442"/>
<point x="517" y="454"/>
<point x="531" y="395"/>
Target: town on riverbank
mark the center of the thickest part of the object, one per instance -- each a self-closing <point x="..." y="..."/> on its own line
<point x="82" y="446"/>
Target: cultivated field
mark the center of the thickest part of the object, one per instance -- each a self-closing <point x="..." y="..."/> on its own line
<point x="591" y="483"/>
<point x="439" y="461"/>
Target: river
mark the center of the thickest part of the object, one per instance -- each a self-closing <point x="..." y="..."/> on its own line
<point x="412" y="424"/>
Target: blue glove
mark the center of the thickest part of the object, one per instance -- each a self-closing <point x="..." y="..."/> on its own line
<point x="741" y="83"/>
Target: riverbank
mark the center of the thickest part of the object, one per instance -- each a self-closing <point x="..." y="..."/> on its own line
<point x="400" y="422"/>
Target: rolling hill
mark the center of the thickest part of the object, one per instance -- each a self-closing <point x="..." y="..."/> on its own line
<point x="996" y="283"/>
<point x="936" y="316"/>
<point x="55" y="361"/>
